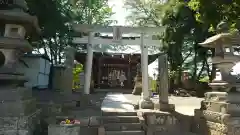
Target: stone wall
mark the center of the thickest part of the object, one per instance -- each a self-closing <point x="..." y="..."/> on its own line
<point x="22" y="125"/>
<point x="63" y="130"/>
<point x="87" y="126"/>
<point x="169" y="123"/>
<point x="157" y="122"/>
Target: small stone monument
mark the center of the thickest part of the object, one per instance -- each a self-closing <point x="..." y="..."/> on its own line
<point x="68" y="72"/>
<point x="220" y="111"/>
<point x="18" y="113"/>
<point x="138" y="81"/>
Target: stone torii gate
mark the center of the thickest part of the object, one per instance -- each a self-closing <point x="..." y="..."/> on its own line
<point x="146" y="39"/>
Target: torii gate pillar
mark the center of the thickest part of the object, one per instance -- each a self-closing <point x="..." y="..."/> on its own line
<point x="145" y="102"/>
<point x="88" y="68"/>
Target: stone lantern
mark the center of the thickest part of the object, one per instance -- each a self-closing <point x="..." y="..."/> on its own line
<point x="220" y="112"/>
<point x="224" y="58"/>
<point x="18" y="112"/>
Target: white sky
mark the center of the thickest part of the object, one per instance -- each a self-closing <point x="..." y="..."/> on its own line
<point x="120" y="12"/>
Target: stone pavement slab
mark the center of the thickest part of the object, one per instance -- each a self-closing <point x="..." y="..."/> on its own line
<point x="117" y="102"/>
<point x="183" y="105"/>
<point x="126" y="102"/>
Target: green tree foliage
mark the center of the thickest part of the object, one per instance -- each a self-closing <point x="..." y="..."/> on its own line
<point x="209" y="14"/>
<point x="55" y="19"/>
<point x="98" y="11"/>
<point x="179" y="20"/>
<point x="188" y="23"/>
<point x="76" y="71"/>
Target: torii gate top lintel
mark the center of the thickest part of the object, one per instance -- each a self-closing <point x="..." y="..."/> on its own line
<point x="149" y="34"/>
<point x="110" y="29"/>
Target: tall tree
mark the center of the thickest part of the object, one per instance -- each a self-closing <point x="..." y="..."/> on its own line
<point x="179" y="20"/>
<point x="55" y="19"/>
<point x="209" y="14"/>
<point x="188" y="23"/>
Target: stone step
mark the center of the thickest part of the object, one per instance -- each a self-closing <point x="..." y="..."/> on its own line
<point x="123" y="126"/>
<point x="105" y="113"/>
<point x="125" y="133"/>
<point x="120" y="119"/>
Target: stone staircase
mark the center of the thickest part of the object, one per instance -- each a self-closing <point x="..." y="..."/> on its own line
<point x="122" y="123"/>
<point x="120" y="118"/>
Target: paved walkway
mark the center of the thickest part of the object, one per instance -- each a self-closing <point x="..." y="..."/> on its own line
<point x="183" y="105"/>
<point x="117" y="102"/>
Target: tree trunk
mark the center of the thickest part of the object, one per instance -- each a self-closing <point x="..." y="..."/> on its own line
<point x="200" y="73"/>
<point x="213" y="72"/>
<point x="208" y="69"/>
<point x="194" y="77"/>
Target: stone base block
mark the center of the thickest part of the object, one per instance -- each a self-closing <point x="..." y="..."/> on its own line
<point x="17" y="108"/>
<point x="50" y="109"/>
<point x="164" y="107"/>
<point x="223" y="129"/>
<point x="197" y="113"/>
<point x="24" y="125"/>
<point x="219" y="117"/>
<point x="16" y="132"/>
<point x="146" y="104"/>
<point x="199" y="127"/>
<point x="162" y="130"/>
<point x="63" y="130"/>
<point x="211" y="128"/>
<point x="222" y="107"/>
<point x="159" y="122"/>
<point x="155" y="117"/>
<point x="12" y="79"/>
<point x="137" y="89"/>
<point x="89" y="131"/>
<point x="214" y="132"/>
<point x="223" y="97"/>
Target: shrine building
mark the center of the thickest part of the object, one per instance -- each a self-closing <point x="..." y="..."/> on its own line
<point x="107" y="69"/>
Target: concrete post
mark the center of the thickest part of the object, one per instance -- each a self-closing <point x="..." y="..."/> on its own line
<point x="88" y="68"/>
<point x="163" y="83"/>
